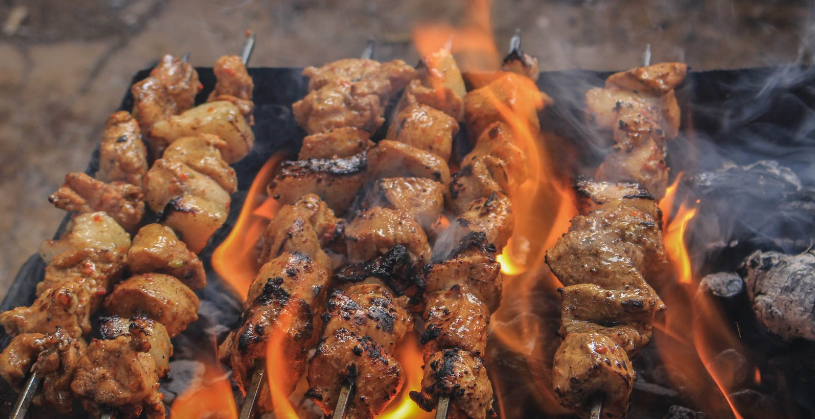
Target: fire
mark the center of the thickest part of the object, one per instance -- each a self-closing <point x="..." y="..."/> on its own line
<point x="279" y="366"/>
<point x="409" y="355"/>
<point x="235" y="259"/>
<point x="675" y="243"/>
<point x="210" y="398"/>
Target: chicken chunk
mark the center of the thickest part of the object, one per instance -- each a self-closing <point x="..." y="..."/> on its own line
<point x="179" y="78"/>
<point x="168" y="179"/>
<point x="160" y="297"/>
<point x="396" y="159"/>
<point x="335" y="181"/>
<point x="202" y="153"/>
<point x="506" y="98"/>
<point x="195" y="219"/>
<point x="592" y="195"/>
<point x="589" y="365"/>
<point x="122" y="154"/>
<point x="498" y="141"/>
<point x="221" y="118"/>
<point x="369" y="310"/>
<point x="152" y="332"/>
<point x="471" y="264"/>
<point x="377" y="230"/>
<point x="655" y="80"/>
<point x="67" y="306"/>
<point x="435" y="96"/>
<point x="157" y="249"/>
<point x="82" y="193"/>
<point x="456" y="318"/>
<point x="422" y="198"/>
<point x="95" y="230"/>
<point x="338" y="143"/>
<point x="343" y="356"/>
<point x="492" y="216"/>
<point x="482" y="177"/>
<point x="440" y="84"/>
<point x="424" y="128"/>
<point x="462" y="377"/>
<point x="394" y="268"/>
<point x="519" y="63"/>
<point x="96" y="269"/>
<point x="19" y="356"/>
<point x="644" y="164"/>
<point x="233" y="84"/>
<point x="397" y="73"/>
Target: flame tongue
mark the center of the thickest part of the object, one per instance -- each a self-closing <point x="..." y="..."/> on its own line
<point x="211" y="398"/>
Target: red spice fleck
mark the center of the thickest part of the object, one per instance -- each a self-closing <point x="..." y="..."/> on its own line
<point x="97" y="218"/>
<point x="200" y="86"/>
<point x="600" y="349"/>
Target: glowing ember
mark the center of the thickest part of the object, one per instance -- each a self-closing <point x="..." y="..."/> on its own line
<point x="211" y="398"/>
<point x="409" y="355"/>
<point x="235" y="259"/>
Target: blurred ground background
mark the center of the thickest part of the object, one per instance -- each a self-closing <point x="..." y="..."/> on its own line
<point x="65" y="65"/>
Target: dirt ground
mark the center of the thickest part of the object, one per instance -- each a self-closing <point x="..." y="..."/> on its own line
<point x="64" y="65"/>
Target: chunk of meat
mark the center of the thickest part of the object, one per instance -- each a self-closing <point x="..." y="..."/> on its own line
<point x="471" y="264"/>
<point x="282" y="301"/>
<point x="425" y="128"/>
<point x="397" y="73"/>
<point x="377" y="230"/>
<point x="343" y="356"/>
<point x="506" y="98"/>
<point x="440" y="84"/>
<point x="122" y="154"/>
<point x="19" y="356"/>
<point x="395" y="268"/>
<point x="96" y="269"/>
<point x="233" y="84"/>
<point x="456" y="318"/>
<point x="152" y="332"/>
<point x="195" y="219"/>
<point x="589" y="365"/>
<point x="519" y="63"/>
<point x="492" y="216"/>
<point x="160" y="297"/>
<point x="221" y="118"/>
<point x="482" y="177"/>
<point x="644" y="164"/>
<point x="82" y="193"/>
<point x="338" y="143"/>
<point x="202" y="153"/>
<point x="120" y="375"/>
<point x="179" y="78"/>
<point x="67" y="306"/>
<point x="462" y="377"/>
<point x="168" y="179"/>
<point x="655" y="80"/>
<point x="592" y="195"/>
<point x="435" y="96"/>
<point x="369" y="310"/>
<point x="396" y="159"/>
<point x="94" y="230"/>
<point x="156" y="248"/>
<point x="498" y="141"/>
<point x="335" y="181"/>
<point x="422" y="198"/>
<point x="633" y="117"/>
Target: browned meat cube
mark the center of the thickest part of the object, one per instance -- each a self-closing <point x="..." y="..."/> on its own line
<point x="157" y="249"/>
<point x="462" y="377"/>
<point x="159" y="297"/>
<point x="169" y="179"/>
<point x="233" y="84"/>
<point x="82" y="193"/>
<point x="202" y="153"/>
<point x="643" y="164"/>
<point x="152" y="332"/>
<point x="480" y="178"/>
<point x="435" y="96"/>
<point x="375" y="231"/>
<point x="394" y="268"/>
<point x="592" y="195"/>
<point x="498" y="141"/>
<point x="66" y="306"/>
<point x="338" y="143"/>
<point x="656" y="80"/>
<point x="122" y="154"/>
<point x="508" y="97"/>
<point x="422" y="198"/>
<point x="195" y="219"/>
<point x="94" y="230"/>
<point x="456" y="318"/>
<point x="424" y="128"/>
<point x="342" y="357"/>
<point x="523" y="64"/>
<point x="491" y="216"/>
<point x="395" y="159"/>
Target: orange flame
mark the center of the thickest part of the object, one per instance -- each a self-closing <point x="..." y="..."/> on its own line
<point x="409" y="355"/>
<point x="675" y="243"/>
<point x="279" y="364"/>
<point x="236" y="259"/>
<point x="211" y="398"/>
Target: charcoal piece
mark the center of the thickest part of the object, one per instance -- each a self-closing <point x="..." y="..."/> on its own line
<point x="680" y="412"/>
<point x="730" y="367"/>
<point x="754" y="405"/>
<point x="722" y="284"/>
<point x="782" y="291"/>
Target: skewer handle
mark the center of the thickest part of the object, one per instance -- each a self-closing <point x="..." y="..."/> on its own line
<point x="30" y="388"/>
<point x="248" y="46"/>
<point x="442" y="407"/>
<point x="596" y="409"/>
<point x="342" y="401"/>
<point x="258" y="378"/>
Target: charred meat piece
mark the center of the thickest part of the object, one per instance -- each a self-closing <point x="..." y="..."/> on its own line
<point x="395" y="159"/>
<point x="480" y="178"/>
<point x="394" y="268"/>
<point x="498" y="141"/>
<point x="160" y="297"/>
<point x="589" y="365"/>
<point x="375" y="231"/>
<point x="422" y="198"/>
<point x="462" y="377"/>
<point x="456" y="318"/>
<point x="335" y="181"/>
<point x="592" y="195"/>
<point x="120" y="374"/>
<point x="157" y="249"/>
<point x="234" y="85"/>
<point x="473" y="265"/>
<point x="491" y="216"/>
<point x="505" y="98"/>
<point x="425" y="128"/>
<point x="82" y="193"/>
<point x="122" y="154"/>
<point x="221" y="118"/>
<point x="94" y="230"/>
<point x="153" y="332"/>
<point x="283" y="301"/>
<point x="343" y="356"/>
<point x="338" y="143"/>
<point x="195" y="219"/>
<point x="202" y="153"/>
<point x="369" y="310"/>
<point x="168" y="179"/>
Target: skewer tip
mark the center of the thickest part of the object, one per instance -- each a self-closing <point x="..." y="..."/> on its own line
<point x="515" y="41"/>
<point x="186" y="57"/>
<point x="342" y="401"/>
<point x="596" y="409"/>
<point x="252" y="396"/>
<point x="646" y="56"/>
<point x="107" y="415"/>
<point x="368" y="52"/>
<point x="30" y="387"/>
<point x="248" y="47"/>
<point x="442" y="407"/>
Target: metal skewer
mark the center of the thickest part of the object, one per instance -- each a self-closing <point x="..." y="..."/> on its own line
<point x="342" y="401"/>
<point x="515" y="42"/>
<point x="21" y="407"/>
<point x="186" y="57"/>
<point x="442" y="407"/>
<point x="248" y="47"/>
<point x="107" y="415"/>
<point x="596" y="409"/>
<point x="252" y="396"/>
<point x="368" y="52"/>
<point x="646" y="56"/>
